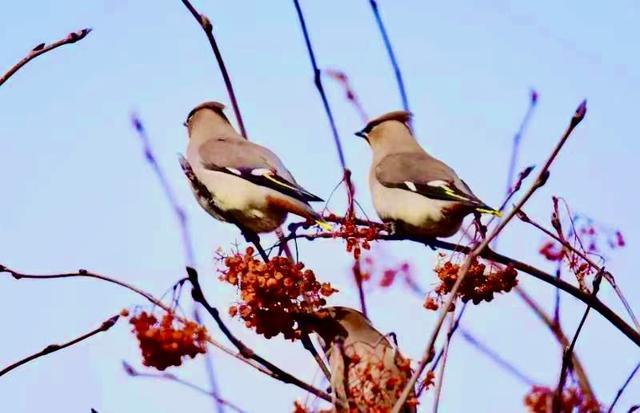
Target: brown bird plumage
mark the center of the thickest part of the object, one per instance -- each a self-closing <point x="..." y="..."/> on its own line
<point x="367" y="372"/>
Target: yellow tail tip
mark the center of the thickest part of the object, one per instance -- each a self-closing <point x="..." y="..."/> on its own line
<point x="324" y="225"/>
<point x="490" y="211"/>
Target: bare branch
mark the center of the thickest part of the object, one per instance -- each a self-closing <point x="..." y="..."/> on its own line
<point x="317" y="79"/>
<point x="391" y="54"/>
<point x="495" y="357"/>
<point x="491" y="255"/>
<point x="169" y="193"/>
<point x="51" y="348"/>
<point x="623" y="387"/>
<point x="517" y="138"/>
<point x="86" y="274"/>
<point x="245" y="351"/>
<point x="445" y="353"/>
<point x="607" y="275"/>
<point x="566" y="357"/>
<point x="581" y="374"/>
<point x="172" y="377"/>
<point x="207" y="27"/>
<point x="43" y="48"/>
<point x="540" y="180"/>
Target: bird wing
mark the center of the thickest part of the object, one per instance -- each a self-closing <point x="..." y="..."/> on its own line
<point x="254" y="163"/>
<point x="422" y="174"/>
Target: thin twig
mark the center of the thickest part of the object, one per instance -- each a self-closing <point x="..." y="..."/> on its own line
<point x="540" y="180"/>
<point x="556" y="330"/>
<point x="566" y="357"/>
<point x="245" y="351"/>
<point x="207" y="27"/>
<point x="445" y="353"/>
<point x="82" y="273"/>
<point x="183" y="224"/>
<point x="357" y="275"/>
<point x="391" y="54"/>
<point x="169" y="193"/>
<point x="623" y="387"/>
<point x="308" y="345"/>
<point x="495" y="357"/>
<point x="43" y="48"/>
<point x="438" y="358"/>
<point x="317" y="80"/>
<point x="491" y="255"/>
<point x="517" y="139"/>
<point x="86" y="274"/>
<point x="172" y="377"/>
<point x="51" y="348"/>
<point x="350" y="94"/>
<point x="607" y="275"/>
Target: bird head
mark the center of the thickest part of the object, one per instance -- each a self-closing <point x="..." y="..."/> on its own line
<point x="331" y="323"/>
<point x="206" y="110"/>
<point x="383" y="128"/>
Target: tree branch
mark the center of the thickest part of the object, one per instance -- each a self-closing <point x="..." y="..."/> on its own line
<point x="86" y="274"/>
<point x="207" y="27"/>
<point x="566" y="357"/>
<point x="623" y="387"/>
<point x="495" y="357"/>
<point x="51" y="348"/>
<point x="607" y="275"/>
<point x="391" y="54"/>
<point x="245" y="351"/>
<point x="172" y="377"/>
<point x="43" y="48"/>
<point x="581" y="374"/>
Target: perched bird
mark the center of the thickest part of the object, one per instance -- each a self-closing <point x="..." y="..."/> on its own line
<point x="367" y="371"/>
<point x="417" y="193"/>
<point x="249" y="184"/>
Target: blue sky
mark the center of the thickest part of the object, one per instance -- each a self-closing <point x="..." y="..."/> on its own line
<point x="77" y="193"/>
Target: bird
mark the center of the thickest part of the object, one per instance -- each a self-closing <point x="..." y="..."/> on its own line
<point x="413" y="191"/>
<point x="368" y="373"/>
<point x="248" y="183"/>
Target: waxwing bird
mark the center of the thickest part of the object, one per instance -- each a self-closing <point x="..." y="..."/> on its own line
<point x="249" y="184"/>
<point x="415" y="192"/>
<point x="367" y="372"/>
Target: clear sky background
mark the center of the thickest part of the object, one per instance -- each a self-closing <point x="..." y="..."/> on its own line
<point x="76" y="192"/>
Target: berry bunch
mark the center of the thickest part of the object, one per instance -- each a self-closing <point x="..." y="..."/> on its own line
<point x="166" y="342"/>
<point x="540" y="400"/>
<point x="373" y="385"/>
<point x="272" y="293"/>
<point x="478" y="285"/>
<point x="358" y="237"/>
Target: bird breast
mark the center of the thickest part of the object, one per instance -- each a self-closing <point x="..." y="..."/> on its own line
<point x="245" y="201"/>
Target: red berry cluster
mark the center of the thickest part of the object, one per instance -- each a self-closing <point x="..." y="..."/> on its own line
<point x="298" y="407"/>
<point x="272" y="293"/>
<point x="585" y="235"/>
<point x="374" y="386"/>
<point x="478" y="285"/>
<point x="358" y="237"/>
<point x="540" y="400"/>
<point x="165" y="342"/>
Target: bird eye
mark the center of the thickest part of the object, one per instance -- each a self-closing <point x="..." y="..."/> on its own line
<point x="185" y="124"/>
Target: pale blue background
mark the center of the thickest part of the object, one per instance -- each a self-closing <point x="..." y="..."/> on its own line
<point x="77" y="193"/>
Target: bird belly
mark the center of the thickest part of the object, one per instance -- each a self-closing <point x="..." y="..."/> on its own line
<point x="416" y="214"/>
<point x="241" y="200"/>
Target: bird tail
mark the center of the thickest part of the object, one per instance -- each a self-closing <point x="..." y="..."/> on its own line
<point x="488" y="210"/>
<point x="323" y="224"/>
<point x="299" y="208"/>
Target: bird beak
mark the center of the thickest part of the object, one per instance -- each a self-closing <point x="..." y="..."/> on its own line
<point x="363" y="135"/>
